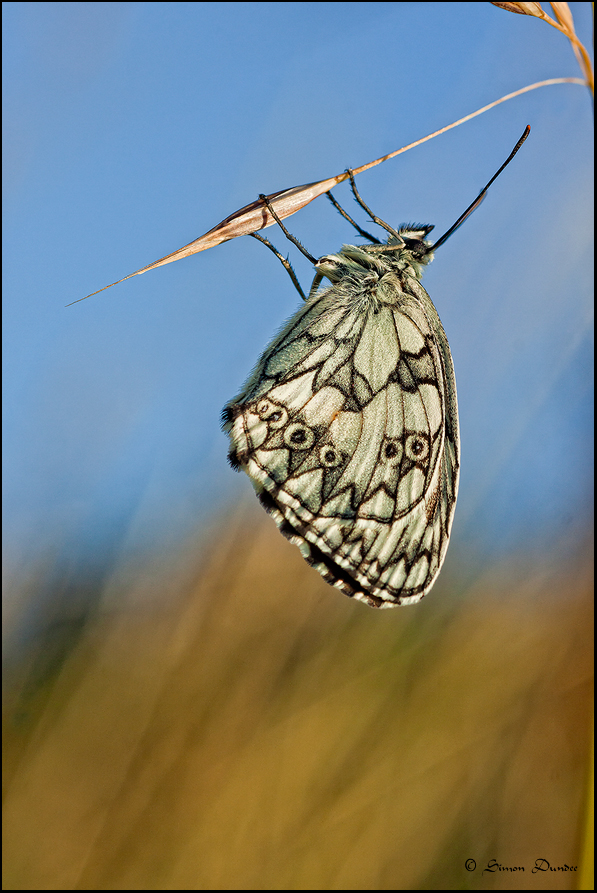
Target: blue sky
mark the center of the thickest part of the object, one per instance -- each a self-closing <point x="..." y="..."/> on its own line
<point x="131" y="129"/>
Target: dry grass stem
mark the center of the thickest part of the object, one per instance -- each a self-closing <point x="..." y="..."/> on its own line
<point x="255" y="216"/>
<point x="565" y="24"/>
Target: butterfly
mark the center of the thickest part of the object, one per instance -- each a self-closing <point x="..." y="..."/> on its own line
<point x="348" y="424"/>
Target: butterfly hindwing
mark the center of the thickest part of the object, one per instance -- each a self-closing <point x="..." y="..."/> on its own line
<point x="348" y="429"/>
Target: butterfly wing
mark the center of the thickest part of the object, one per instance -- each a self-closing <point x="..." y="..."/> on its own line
<point x="348" y="429"/>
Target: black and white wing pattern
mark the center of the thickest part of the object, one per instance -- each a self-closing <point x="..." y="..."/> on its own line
<point x="348" y="425"/>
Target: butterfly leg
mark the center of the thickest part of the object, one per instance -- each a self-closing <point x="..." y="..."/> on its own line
<point x="285" y="263"/>
<point x="288" y="235"/>
<point x="315" y="284"/>
<point x="362" y="232"/>
<point x="366" y="208"/>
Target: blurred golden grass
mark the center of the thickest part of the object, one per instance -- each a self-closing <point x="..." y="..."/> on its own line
<point x="226" y="720"/>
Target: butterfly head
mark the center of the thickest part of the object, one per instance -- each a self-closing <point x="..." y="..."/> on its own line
<point x="412" y="237"/>
<point x="413" y="250"/>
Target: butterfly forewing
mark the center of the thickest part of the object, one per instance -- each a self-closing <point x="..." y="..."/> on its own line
<point x="348" y="428"/>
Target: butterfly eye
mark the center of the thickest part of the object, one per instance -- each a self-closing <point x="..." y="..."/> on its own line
<point x="329" y="261"/>
<point x="272" y="413"/>
<point x="417" y="246"/>
<point x="299" y="437"/>
<point x="330" y="267"/>
<point x="417" y="447"/>
<point x="329" y="457"/>
<point x="392" y="452"/>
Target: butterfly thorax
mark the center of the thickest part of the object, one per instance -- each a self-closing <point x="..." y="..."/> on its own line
<point x="406" y="253"/>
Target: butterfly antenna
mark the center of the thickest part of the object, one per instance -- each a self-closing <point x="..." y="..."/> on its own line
<point x="472" y="207"/>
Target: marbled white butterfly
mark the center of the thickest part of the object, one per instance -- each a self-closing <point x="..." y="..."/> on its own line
<point x="348" y="425"/>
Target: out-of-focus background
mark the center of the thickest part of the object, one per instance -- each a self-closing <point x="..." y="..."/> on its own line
<point x="187" y="704"/>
